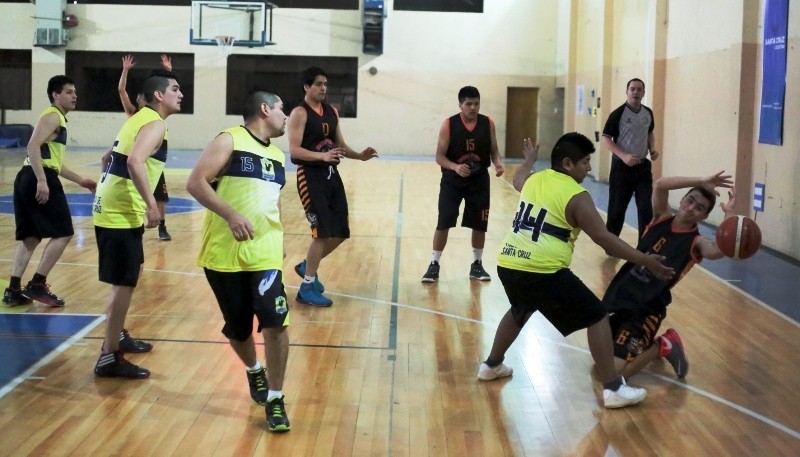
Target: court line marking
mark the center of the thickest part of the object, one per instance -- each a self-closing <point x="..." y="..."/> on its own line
<point x="713" y="397"/>
<point x="28" y="374"/>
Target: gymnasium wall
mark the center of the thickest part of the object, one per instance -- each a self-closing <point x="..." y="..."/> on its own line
<point x="701" y="62"/>
<point x="427" y="58"/>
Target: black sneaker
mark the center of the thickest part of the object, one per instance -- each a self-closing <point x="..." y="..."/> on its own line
<point x="476" y="271"/>
<point x="163" y="234"/>
<point x="432" y="275"/>
<point x="41" y="293"/>
<point x="277" y="421"/>
<point x="259" y="387"/>
<point x="14" y="297"/>
<point x="130" y="345"/>
<point x="114" y="365"/>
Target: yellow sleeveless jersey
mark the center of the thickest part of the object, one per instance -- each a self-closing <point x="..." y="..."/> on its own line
<point x="117" y="203"/>
<point x="541" y="240"/>
<point x="53" y="151"/>
<point x="251" y="184"/>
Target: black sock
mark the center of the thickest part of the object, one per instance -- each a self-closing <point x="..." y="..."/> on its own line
<point x="38" y="279"/>
<point x="493" y="363"/>
<point x="162" y="224"/>
<point x="15" y="283"/>
<point x="613" y="385"/>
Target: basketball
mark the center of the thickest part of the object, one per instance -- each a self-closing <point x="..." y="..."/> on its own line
<point x="738" y="237"/>
<point x="70" y="20"/>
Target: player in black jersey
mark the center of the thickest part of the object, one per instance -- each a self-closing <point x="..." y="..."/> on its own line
<point x="316" y="145"/>
<point x="636" y="301"/>
<point x="467" y="146"/>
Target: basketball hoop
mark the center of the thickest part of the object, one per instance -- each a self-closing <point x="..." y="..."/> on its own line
<point x="225" y="44"/>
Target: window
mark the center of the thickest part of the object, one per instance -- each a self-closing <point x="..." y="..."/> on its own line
<point x="281" y="76"/>
<point x="96" y="75"/>
<point x="453" y="6"/>
<point x="15" y="79"/>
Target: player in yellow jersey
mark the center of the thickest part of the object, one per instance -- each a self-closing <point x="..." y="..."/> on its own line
<point x="242" y="243"/>
<point x="40" y="205"/>
<point x="123" y="207"/>
<point x="534" y="260"/>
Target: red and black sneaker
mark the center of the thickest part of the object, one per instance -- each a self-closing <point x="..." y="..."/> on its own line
<point x="41" y="293"/>
<point x="676" y="356"/>
<point x="14" y="297"/>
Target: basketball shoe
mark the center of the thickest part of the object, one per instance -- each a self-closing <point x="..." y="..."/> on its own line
<point x="41" y="293"/>
<point x="432" y="275"/>
<point x="14" y="297"/>
<point x="259" y="387"/>
<point x="671" y="348"/>
<point x="624" y="396"/>
<point x="130" y="345"/>
<point x="476" y="271"/>
<point x="277" y="420"/>
<point x="309" y="295"/>
<point x="300" y="269"/>
<point x="114" y="365"/>
<point x="487" y="373"/>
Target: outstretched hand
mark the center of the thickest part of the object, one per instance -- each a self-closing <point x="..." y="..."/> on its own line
<point x="718" y="180"/>
<point x="166" y="62"/>
<point x="369" y="153"/>
<point x="727" y="207"/>
<point x="127" y="62"/>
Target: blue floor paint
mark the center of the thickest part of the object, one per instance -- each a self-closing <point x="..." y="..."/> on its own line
<point x="80" y="205"/>
<point x="27" y="338"/>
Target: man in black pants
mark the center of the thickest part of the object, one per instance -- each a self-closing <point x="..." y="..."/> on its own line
<point x="628" y="134"/>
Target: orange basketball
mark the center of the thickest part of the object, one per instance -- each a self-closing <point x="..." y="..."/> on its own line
<point x="738" y="237"/>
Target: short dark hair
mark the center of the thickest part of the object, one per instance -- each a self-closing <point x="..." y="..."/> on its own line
<point x="628" y="86"/>
<point x="573" y="146"/>
<point x="310" y="74"/>
<point x="468" y="92"/>
<point x="710" y="196"/>
<point x="253" y="101"/>
<point x="56" y="84"/>
<point x="156" y="80"/>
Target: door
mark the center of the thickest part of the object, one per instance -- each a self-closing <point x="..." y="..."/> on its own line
<point x="522" y="111"/>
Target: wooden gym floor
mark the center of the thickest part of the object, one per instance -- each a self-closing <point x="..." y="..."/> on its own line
<point x="391" y="368"/>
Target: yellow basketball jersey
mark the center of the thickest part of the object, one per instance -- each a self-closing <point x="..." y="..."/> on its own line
<point x="117" y="203"/>
<point x="541" y="240"/>
<point x="53" y="151"/>
<point x="251" y="185"/>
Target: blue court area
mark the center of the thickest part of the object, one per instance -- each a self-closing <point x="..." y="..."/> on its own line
<point x="30" y="339"/>
<point x="80" y="205"/>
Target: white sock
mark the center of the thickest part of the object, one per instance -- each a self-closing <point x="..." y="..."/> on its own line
<point x="255" y="367"/>
<point x="309" y="279"/>
<point x="477" y="254"/>
<point x="436" y="256"/>
<point x="274" y="394"/>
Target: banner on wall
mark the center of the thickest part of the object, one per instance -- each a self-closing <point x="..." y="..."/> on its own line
<point x="773" y="83"/>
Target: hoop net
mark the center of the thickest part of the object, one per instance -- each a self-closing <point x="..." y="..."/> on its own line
<point x="225" y="44"/>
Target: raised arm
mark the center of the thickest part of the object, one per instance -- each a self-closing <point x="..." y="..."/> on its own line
<point x="166" y="62"/>
<point x="525" y="170"/>
<point x="127" y="64"/>
<point x="662" y="186"/>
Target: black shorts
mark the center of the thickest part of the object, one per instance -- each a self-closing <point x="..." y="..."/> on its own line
<point x="242" y="295"/>
<point x="161" y="194"/>
<point x="474" y="190"/>
<point x="561" y="297"/>
<point x="121" y="255"/>
<point x="51" y="220"/>
<point x="322" y="194"/>
<point x="633" y="333"/>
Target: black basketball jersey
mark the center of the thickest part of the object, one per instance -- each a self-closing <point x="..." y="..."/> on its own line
<point x="635" y="288"/>
<point x="473" y="147"/>
<point x="320" y="132"/>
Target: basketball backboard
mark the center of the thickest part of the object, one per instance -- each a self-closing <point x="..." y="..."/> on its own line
<point x="250" y="23"/>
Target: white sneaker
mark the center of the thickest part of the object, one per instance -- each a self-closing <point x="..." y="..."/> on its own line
<point x="487" y="373"/>
<point x="624" y="396"/>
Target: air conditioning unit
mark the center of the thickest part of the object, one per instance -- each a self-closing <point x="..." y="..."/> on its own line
<point x="47" y="37"/>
